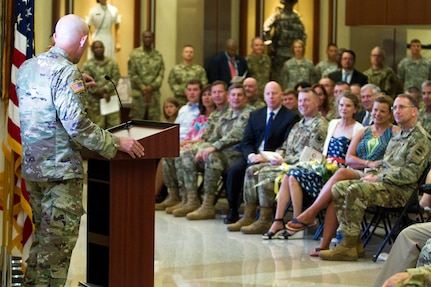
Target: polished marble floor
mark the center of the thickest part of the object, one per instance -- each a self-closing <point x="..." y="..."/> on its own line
<point x="204" y="253"/>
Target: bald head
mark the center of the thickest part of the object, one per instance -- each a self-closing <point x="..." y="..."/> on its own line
<point x="272" y="95"/>
<point x="71" y="34"/>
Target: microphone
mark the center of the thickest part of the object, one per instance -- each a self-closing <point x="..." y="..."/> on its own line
<point x="108" y="78"/>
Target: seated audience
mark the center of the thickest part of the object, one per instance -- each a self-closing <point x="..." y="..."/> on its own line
<point x="198" y="127"/>
<point x="325" y="109"/>
<point x="170" y="113"/>
<point x="267" y="129"/>
<point x="217" y="153"/>
<point x="259" y="179"/>
<point x="186" y="115"/>
<point x="191" y="199"/>
<point x="365" y="151"/>
<point x="290" y="100"/>
<point x="405" y="159"/>
<point x="252" y="93"/>
<point x="303" y="182"/>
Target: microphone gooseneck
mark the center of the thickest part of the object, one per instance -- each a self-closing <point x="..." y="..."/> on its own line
<point x="108" y="78"/>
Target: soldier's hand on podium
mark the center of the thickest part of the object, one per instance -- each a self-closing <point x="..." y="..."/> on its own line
<point x="131" y="146"/>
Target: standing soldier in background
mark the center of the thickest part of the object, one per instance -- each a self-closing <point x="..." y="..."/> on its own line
<point x="382" y="75"/>
<point x="324" y="68"/>
<point x="414" y="69"/>
<point x="259" y="64"/>
<point x="185" y="71"/>
<point x="146" y="71"/>
<point x="97" y="68"/>
<point x="288" y="27"/>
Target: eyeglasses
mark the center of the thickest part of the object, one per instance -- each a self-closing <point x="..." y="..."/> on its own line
<point x="400" y="107"/>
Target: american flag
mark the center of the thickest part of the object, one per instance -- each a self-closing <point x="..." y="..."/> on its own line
<point x="23" y="49"/>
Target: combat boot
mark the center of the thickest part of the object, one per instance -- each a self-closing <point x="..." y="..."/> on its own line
<point x="183" y="201"/>
<point x="206" y="211"/>
<point x="192" y="204"/>
<point x="262" y="224"/>
<point x="346" y="251"/>
<point x="248" y="218"/>
<point x="172" y="199"/>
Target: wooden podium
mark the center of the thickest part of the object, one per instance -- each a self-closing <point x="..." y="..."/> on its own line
<point x="120" y="209"/>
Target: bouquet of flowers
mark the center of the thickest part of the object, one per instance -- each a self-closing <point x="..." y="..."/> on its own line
<point x="324" y="168"/>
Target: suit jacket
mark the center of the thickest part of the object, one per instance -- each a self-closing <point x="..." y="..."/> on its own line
<point x="357" y="77"/>
<point x="219" y="68"/>
<point x="255" y="130"/>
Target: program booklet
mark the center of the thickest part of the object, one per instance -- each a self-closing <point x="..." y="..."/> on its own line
<point x="310" y="154"/>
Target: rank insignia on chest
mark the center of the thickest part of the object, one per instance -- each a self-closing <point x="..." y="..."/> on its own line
<point x="78" y="86"/>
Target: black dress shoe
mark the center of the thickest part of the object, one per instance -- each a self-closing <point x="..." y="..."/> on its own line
<point x="231" y="217"/>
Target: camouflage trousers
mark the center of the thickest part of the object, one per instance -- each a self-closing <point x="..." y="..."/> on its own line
<point x="218" y="162"/>
<point x="259" y="184"/>
<point x="173" y="172"/>
<point x="352" y="197"/>
<point x="57" y="210"/>
<point x="425" y="255"/>
<point x="106" y="121"/>
<point x="140" y="110"/>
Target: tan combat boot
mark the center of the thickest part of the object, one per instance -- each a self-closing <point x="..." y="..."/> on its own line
<point x="346" y="251"/>
<point x="248" y="218"/>
<point x="206" y="211"/>
<point x="172" y="199"/>
<point x="192" y="204"/>
<point x="183" y="201"/>
<point x="262" y="224"/>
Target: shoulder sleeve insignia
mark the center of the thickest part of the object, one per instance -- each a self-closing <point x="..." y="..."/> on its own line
<point x="78" y="86"/>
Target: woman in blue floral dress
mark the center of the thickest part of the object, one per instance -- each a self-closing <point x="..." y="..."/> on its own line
<point x="306" y="182"/>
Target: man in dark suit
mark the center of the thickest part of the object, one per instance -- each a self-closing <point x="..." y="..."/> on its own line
<point x="227" y="65"/>
<point x="347" y="73"/>
<point x="257" y="138"/>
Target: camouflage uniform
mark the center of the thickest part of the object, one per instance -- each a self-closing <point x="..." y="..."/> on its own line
<point x="311" y="133"/>
<point x="405" y="251"/>
<point x="425" y="255"/>
<point x="145" y="69"/>
<point x="288" y="27"/>
<point x="98" y="69"/>
<point x="173" y="172"/>
<point x="324" y="68"/>
<point x="226" y="136"/>
<point x="385" y="78"/>
<point x="259" y="103"/>
<point x="297" y="70"/>
<point x="260" y="69"/>
<point x="414" y="73"/>
<point x="406" y="157"/>
<point x="425" y="119"/>
<point x="52" y="135"/>
<point x="179" y="76"/>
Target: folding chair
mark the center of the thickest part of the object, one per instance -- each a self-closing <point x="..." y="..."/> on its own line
<point x="384" y="215"/>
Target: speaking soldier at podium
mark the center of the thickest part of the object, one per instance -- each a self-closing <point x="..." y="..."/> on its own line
<point x="51" y="92"/>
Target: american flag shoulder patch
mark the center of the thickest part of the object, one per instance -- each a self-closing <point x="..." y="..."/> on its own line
<point x="78" y="86"/>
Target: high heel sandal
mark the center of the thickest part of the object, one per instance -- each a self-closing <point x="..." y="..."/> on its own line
<point x="278" y="234"/>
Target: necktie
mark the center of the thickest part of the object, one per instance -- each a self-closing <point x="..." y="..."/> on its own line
<point x="232" y="67"/>
<point x="367" y="119"/>
<point x="268" y="127"/>
<point x="346" y="77"/>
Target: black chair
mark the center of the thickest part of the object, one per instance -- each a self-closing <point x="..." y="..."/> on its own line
<point x="393" y="219"/>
